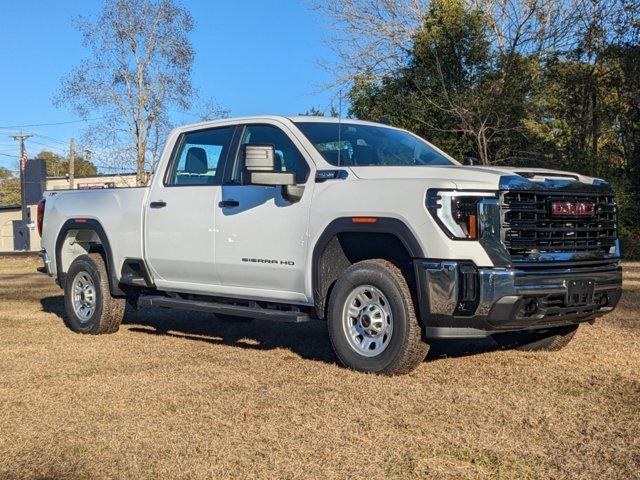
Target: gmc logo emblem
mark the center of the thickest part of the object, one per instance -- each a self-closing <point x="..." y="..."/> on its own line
<point x="573" y="209"/>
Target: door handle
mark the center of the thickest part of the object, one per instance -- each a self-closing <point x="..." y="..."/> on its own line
<point x="158" y="204"/>
<point x="229" y="203"/>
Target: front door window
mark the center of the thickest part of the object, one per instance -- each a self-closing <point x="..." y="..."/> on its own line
<point x="288" y="158"/>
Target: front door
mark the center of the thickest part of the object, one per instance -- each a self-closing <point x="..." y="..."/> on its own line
<point x="180" y="212"/>
<point x="262" y="239"/>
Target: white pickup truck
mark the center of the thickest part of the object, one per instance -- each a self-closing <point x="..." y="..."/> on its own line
<point x="370" y="227"/>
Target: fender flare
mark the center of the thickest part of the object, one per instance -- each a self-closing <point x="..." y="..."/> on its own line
<point x="96" y="226"/>
<point x="389" y="225"/>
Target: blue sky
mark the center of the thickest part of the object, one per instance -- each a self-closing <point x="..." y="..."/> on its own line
<point x="253" y="56"/>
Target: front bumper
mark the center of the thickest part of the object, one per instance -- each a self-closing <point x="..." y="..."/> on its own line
<point x="459" y="300"/>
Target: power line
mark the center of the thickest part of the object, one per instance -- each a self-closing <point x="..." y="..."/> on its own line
<point x="57" y="140"/>
<point x="46" y="137"/>
<point x="53" y="148"/>
<point x="50" y="124"/>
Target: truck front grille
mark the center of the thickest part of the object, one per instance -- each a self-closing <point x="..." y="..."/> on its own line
<point x="528" y="226"/>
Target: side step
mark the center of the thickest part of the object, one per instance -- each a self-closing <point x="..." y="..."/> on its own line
<point x="222" y="308"/>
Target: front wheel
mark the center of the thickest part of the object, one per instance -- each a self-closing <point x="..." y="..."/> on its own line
<point x="372" y="320"/>
<point x="87" y="299"/>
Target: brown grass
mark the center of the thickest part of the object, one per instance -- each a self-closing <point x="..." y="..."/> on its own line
<point x="179" y="395"/>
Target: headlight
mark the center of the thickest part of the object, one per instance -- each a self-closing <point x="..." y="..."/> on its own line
<point x="457" y="211"/>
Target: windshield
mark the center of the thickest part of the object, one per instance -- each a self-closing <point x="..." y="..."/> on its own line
<point x="352" y="145"/>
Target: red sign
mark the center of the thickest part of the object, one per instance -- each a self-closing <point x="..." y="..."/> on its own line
<point x="573" y="209"/>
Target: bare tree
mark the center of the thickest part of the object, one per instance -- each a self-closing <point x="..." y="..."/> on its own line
<point x="529" y="26"/>
<point x="369" y="37"/>
<point x="138" y="71"/>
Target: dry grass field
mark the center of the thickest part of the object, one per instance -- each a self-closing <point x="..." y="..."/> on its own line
<point x="180" y="395"/>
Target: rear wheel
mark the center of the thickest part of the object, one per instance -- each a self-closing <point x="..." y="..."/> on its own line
<point x="372" y="321"/>
<point x="88" y="302"/>
<point x="549" y="340"/>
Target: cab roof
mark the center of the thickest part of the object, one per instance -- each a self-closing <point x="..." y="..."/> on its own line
<point x="281" y="118"/>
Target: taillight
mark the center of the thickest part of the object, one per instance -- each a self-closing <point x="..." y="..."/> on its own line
<point x="40" y="215"/>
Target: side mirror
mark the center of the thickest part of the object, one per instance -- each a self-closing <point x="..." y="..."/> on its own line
<point x="470" y="161"/>
<point x="259" y="167"/>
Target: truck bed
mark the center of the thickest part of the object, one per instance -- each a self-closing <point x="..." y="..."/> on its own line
<point x="118" y="210"/>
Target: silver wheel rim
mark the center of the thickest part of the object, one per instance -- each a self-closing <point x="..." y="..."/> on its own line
<point x="367" y="321"/>
<point x="84" y="296"/>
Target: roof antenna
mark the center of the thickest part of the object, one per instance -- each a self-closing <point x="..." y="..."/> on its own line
<point x="339" y="124"/>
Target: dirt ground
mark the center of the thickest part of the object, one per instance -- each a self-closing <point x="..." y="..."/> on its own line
<point x="180" y="395"/>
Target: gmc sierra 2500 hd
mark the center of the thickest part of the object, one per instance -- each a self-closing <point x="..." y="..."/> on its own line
<point x="370" y="227"/>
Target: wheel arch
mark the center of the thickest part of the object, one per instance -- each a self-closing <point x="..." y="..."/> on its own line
<point x="81" y="236"/>
<point x="330" y="258"/>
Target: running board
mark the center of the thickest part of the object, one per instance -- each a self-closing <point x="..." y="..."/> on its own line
<point x="222" y="308"/>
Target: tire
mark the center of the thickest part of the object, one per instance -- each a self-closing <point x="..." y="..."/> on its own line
<point x="89" y="306"/>
<point x="379" y="294"/>
<point x="551" y="340"/>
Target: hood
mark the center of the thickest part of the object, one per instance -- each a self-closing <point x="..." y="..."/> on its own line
<point x="481" y="178"/>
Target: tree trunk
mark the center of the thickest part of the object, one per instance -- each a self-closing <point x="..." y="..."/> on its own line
<point x="141" y="175"/>
<point x="483" y="146"/>
<point x="595" y="126"/>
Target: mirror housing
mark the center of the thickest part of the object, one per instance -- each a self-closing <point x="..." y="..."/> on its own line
<point x="470" y="161"/>
<point x="259" y="167"/>
<point x="259" y="158"/>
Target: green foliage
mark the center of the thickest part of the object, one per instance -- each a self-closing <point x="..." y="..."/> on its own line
<point x="317" y="112"/>
<point x="9" y="188"/>
<point x="5" y="173"/>
<point x="313" y="112"/>
<point x="456" y="89"/>
<point x="58" y="166"/>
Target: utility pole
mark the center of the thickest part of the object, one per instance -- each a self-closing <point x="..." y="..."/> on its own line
<point x="21" y="137"/>
<point x="72" y="163"/>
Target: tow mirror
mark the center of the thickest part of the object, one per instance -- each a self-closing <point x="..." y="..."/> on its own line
<point x="259" y="167"/>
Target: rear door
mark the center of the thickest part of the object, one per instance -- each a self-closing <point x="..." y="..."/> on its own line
<point x="180" y="213"/>
<point x="262" y="239"/>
